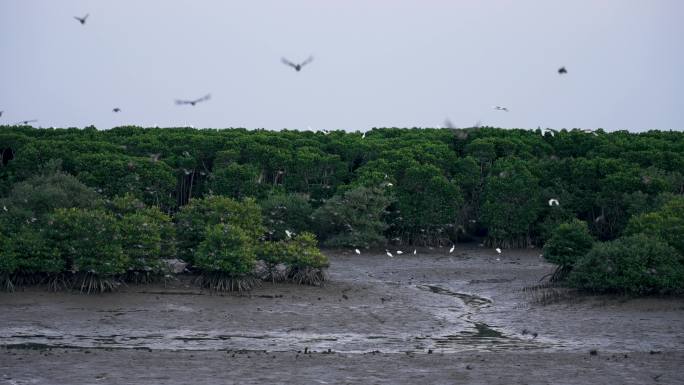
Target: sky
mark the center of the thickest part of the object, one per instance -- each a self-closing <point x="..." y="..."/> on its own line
<point x="377" y="63"/>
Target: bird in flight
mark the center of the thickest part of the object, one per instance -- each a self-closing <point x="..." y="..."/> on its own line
<point x="83" y="19"/>
<point x="562" y="71"/>
<point x="499" y="108"/>
<point x="26" y="121"/>
<point x="116" y="109"/>
<point x="297" y="66"/>
<point x="193" y="102"/>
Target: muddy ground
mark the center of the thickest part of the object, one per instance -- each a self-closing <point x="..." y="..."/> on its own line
<point x="436" y="317"/>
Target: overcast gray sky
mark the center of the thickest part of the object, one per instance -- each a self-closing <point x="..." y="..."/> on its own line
<point x="378" y="63"/>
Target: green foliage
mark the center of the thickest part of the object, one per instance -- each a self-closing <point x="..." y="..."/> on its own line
<point x="666" y="223"/>
<point x="635" y="264"/>
<point x="193" y="219"/>
<point x="88" y="241"/>
<point x="227" y="249"/>
<point x="236" y="181"/>
<point x="511" y="203"/>
<point x="427" y="204"/>
<point x="302" y="251"/>
<point x="569" y="242"/>
<point x="30" y="201"/>
<point x="291" y="212"/>
<point x="354" y="218"/>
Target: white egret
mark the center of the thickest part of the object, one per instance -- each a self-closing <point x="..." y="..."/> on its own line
<point x="357" y="251"/>
<point x="453" y="247"/>
<point x="498" y="250"/>
<point x="389" y="254"/>
<point x="553" y="202"/>
<point x="400" y="252"/>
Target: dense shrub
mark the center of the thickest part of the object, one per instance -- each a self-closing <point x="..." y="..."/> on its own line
<point x="666" y="223"/>
<point x="90" y="244"/>
<point x="226" y="258"/>
<point x="635" y="264"/>
<point x="236" y="181"/>
<point x="193" y="219"/>
<point x="30" y="201"/>
<point x="291" y="212"/>
<point x="354" y="218"/>
<point x="147" y="235"/>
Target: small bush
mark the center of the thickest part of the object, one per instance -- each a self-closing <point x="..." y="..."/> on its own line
<point x="635" y="264"/>
<point x="568" y="242"/>
<point x="226" y="259"/>
<point x="305" y="261"/>
<point x="272" y="254"/>
<point x="193" y="219"/>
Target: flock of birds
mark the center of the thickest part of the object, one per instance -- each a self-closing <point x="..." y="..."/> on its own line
<point x="296" y="66"/>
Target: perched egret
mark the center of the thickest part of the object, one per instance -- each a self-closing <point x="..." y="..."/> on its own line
<point x="357" y="251"/>
<point x="453" y="247"/>
<point x="4" y="208"/>
<point x="553" y="202"/>
<point x="399" y="252"/>
<point x="498" y="250"/>
<point x="415" y="251"/>
<point x="288" y="233"/>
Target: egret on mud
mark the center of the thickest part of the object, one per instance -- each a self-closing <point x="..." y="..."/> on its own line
<point x="498" y="250"/>
<point x="415" y="251"/>
<point x="357" y="251"/>
<point x="400" y="252"/>
<point x="453" y="247"/>
<point x="389" y="254"/>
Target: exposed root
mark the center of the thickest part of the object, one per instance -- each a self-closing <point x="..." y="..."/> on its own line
<point x="307" y="275"/>
<point x="142" y="276"/>
<point x="222" y="282"/>
<point x="57" y="282"/>
<point x="92" y="283"/>
<point x="6" y="283"/>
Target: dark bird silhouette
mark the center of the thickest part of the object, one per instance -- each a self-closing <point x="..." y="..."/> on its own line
<point x="193" y="102"/>
<point x="116" y="109"/>
<point x="83" y="19"/>
<point x="1" y="112"/>
<point x="26" y="121"/>
<point x="562" y="71"/>
<point x="499" y="108"/>
<point x="297" y="66"/>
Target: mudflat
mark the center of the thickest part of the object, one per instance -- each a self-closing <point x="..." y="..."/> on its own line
<point x="434" y="317"/>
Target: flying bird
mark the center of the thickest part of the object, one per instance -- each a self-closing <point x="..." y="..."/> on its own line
<point x="83" y="19"/>
<point x="499" y="108"/>
<point x="193" y="102"/>
<point x="116" y="109"/>
<point x="562" y="71"/>
<point x="26" y="121"/>
<point x="357" y="251"/>
<point x="553" y="202"/>
<point x="297" y="66"/>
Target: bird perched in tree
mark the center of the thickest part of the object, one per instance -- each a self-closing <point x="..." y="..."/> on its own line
<point x="562" y="71"/>
<point x="499" y="108"/>
<point x="83" y="19"/>
<point x="553" y="202"/>
<point x="297" y="66"/>
<point x="116" y="109"/>
<point x="193" y="102"/>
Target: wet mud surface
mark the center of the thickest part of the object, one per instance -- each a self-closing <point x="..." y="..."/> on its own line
<point x="465" y="316"/>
